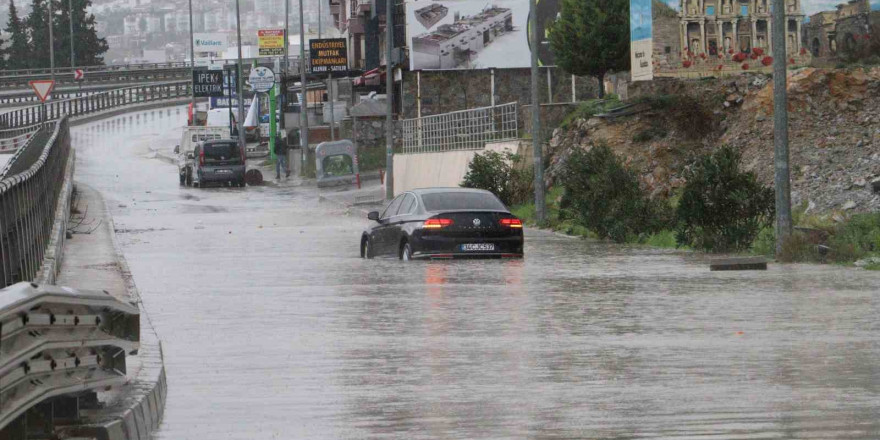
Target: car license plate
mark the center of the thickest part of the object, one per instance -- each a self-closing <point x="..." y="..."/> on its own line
<point x="224" y="171"/>
<point x="478" y="247"/>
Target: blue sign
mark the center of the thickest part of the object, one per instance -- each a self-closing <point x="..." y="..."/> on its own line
<point x="640" y="20"/>
<point x="223" y="102"/>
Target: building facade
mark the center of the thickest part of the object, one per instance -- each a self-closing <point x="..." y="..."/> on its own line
<point x="841" y="29"/>
<point x="710" y="26"/>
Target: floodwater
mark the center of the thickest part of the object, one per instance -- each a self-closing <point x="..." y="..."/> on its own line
<point x="272" y="327"/>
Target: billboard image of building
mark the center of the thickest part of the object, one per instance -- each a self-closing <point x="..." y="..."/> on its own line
<point x="431" y="15"/>
<point x="700" y="37"/>
<point x="471" y="34"/>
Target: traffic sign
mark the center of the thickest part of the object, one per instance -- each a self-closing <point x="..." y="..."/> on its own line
<point x="262" y="79"/>
<point x="42" y="87"/>
<point x="78" y="75"/>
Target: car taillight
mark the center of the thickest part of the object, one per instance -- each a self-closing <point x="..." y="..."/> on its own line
<point x="437" y="223"/>
<point x="202" y="157"/>
<point x="511" y="223"/>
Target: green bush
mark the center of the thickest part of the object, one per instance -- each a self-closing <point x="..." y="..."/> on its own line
<point x="602" y="195"/>
<point x="855" y="238"/>
<point x="722" y="209"/>
<point x="502" y="174"/>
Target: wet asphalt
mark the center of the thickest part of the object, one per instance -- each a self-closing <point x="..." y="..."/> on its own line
<point x="272" y="327"/>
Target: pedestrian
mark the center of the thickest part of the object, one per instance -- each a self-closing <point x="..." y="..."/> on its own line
<point x="281" y="159"/>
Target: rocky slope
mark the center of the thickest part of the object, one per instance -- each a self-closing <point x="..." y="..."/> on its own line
<point x="834" y="133"/>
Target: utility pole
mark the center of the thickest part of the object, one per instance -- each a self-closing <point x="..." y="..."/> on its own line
<point x="389" y="94"/>
<point x="51" y="42"/>
<point x="304" y="101"/>
<point x="319" y="18"/>
<point x="70" y="16"/>
<point x="238" y="83"/>
<point x="283" y="87"/>
<point x="540" y="206"/>
<point x="192" y="62"/>
<point x="780" y="126"/>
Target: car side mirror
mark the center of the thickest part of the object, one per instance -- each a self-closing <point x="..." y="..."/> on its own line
<point x="177" y="149"/>
<point x="373" y="215"/>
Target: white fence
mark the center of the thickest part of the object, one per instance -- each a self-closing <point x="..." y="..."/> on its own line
<point x="461" y="130"/>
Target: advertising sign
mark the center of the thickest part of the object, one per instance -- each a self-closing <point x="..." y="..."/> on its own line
<point x="213" y="42"/>
<point x="262" y="79"/>
<point x="328" y="55"/>
<point x="271" y="42"/>
<point x="207" y="83"/>
<point x="640" y="40"/>
<point x="226" y="102"/>
<point x="471" y="34"/>
<point x="690" y="38"/>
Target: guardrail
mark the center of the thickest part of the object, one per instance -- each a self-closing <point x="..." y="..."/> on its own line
<point x="11" y="140"/>
<point x="118" y="73"/>
<point x="57" y="340"/>
<point x="29" y="188"/>
<point x="94" y="103"/>
<point x="460" y="130"/>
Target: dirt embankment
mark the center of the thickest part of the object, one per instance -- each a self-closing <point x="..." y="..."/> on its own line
<point x="834" y="133"/>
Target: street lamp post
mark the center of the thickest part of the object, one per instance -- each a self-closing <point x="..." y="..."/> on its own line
<point x="540" y="206"/>
<point x="70" y="17"/>
<point x="192" y="59"/>
<point x="238" y="81"/>
<point x="389" y="93"/>
<point x="780" y="126"/>
<point x="304" y="102"/>
<point x="51" y="42"/>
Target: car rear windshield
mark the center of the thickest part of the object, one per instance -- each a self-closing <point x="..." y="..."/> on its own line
<point x="222" y="151"/>
<point x="450" y="201"/>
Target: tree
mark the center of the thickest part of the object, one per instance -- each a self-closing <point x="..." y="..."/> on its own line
<point x="37" y="23"/>
<point x="89" y="49"/>
<point x="17" y="52"/>
<point x="591" y="37"/>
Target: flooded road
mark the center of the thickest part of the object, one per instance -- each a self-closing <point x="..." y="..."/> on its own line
<point x="272" y="327"/>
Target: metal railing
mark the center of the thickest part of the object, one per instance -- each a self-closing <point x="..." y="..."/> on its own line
<point x="11" y="140"/>
<point x="30" y="185"/>
<point x="461" y="130"/>
<point x="10" y="79"/>
<point x="56" y="341"/>
<point x="94" y="103"/>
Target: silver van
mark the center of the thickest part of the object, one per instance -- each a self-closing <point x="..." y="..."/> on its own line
<point x="219" y="161"/>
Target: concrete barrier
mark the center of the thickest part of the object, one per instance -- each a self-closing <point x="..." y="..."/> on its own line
<point x="443" y="169"/>
<point x="55" y="248"/>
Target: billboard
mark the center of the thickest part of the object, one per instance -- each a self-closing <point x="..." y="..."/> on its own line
<point x="209" y="42"/>
<point x="271" y="42"/>
<point x="474" y="34"/>
<point x="328" y="55"/>
<point x="207" y="83"/>
<point x="691" y="38"/>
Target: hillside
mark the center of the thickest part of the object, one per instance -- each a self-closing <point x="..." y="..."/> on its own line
<point x="834" y="132"/>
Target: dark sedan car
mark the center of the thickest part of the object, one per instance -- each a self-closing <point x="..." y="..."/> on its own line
<point x="444" y="223"/>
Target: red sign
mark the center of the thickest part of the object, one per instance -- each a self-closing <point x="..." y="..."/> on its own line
<point x="78" y="74"/>
<point x="42" y="88"/>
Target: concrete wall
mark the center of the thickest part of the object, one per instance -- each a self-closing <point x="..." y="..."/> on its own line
<point x="445" y="169"/>
<point x="452" y="90"/>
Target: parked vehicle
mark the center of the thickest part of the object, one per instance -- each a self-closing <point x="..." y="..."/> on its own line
<point x="219" y="161"/>
<point x="444" y="223"/>
<point x="190" y="137"/>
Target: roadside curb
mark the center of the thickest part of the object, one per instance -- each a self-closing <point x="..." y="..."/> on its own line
<point x="139" y="412"/>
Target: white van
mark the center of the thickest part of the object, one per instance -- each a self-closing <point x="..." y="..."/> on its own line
<point x="191" y="136"/>
<point x="219" y="117"/>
